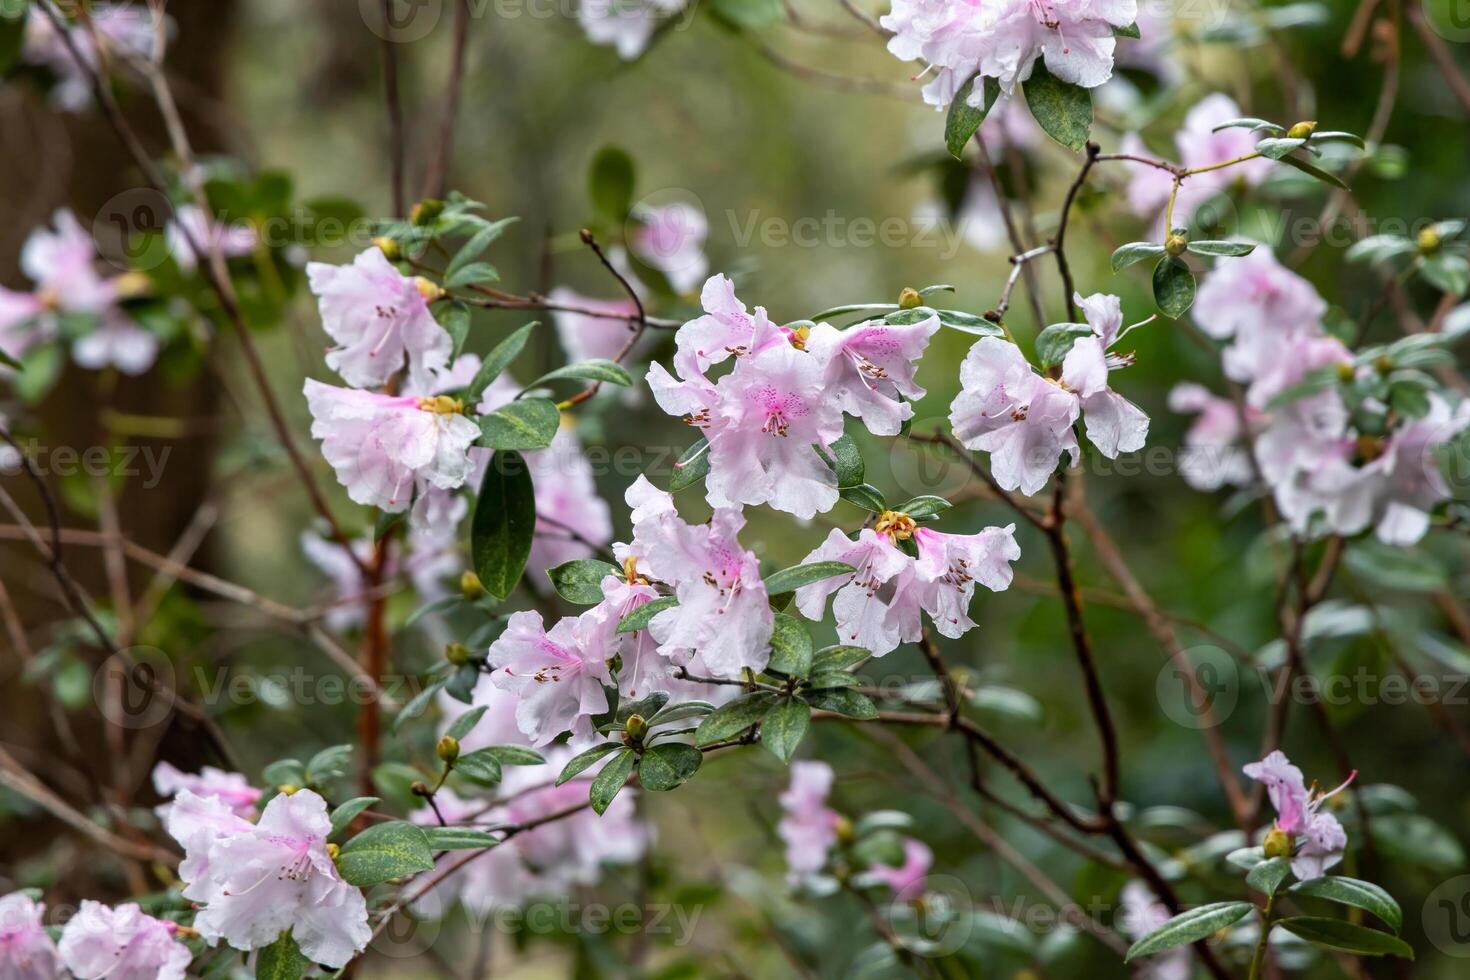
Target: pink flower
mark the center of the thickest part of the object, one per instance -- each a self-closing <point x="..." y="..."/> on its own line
<point x="1263" y="308"/>
<point x="1298" y="815"/>
<point x="869" y="366"/>
<point x="230" y="788"/>
<point x="26" y="949"/>
<point x="585" y="337"/>
<point x="1002" y="39"/>
<point x="259" y="880"/>
<point x="949" y="565"/>
<point x="380" y="320"/>
<point x="907" y="880"/>
<point x="627" y="27"/>
<point x="878" y="605"/>
<point x="1215" y="452"/>
<point x="125" y="31"/>
<point x="556" y="675"/>
<point x="727" y="329"/>
<point x="808" y="826"/>
<point x="670" y="238"/>
<point x="1023" y="420"/>
<point x="121" y="944"/>
<point x="382" y="445"/>
<point x="190" y="223"/>
<point x="723" y="618"/>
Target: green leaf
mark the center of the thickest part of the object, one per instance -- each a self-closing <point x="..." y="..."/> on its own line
<point x="733" y="718"/>
<point x="472" y="248"/>
<point x="284" y="772"/>
<point x="1267" y="876"/>
<point x="1007" y="701"/>
<point x="668" y="765"/>
<point x="647" y="706"/>
<point x="784" y="726"/>
<point x="465" y="723"/>
<point x="1414" y="839"/>
<point x="516" y="755"/>
<point x="527" y="423"/>
<point x="472" y="274"/>
<point x="1173" y="287"/>
<point x="1129" y="30"/>
<point x="1231" y="249"/>
<point x="582" y="762"/>
<point x="482" y="765"/>
<point x="281" y="960"/>
<point x="964" y="119"/>
<point x="1063" y="110"/>
<point x="1246" y="857"/>
<point x="828" y="679"/>
<point x="580" y="580"/>
<point x="846" y="462"/>
<point x="459" y="839"/>
<point x="597" y="369"/>
<point x="1359" y="894"/>
<point x="924" y="507"/>
<point x="1447" y="273"/>
<point x="503" y="524"/>
<point x="497" y="361"/>
<point x="610" y="780"/>
<point x="681" y="712"/>
<point x="1190" y="926"/>
<point x="327" y="764"/>
<point x="429" y="608"/>
<point x="417" y="704"/>
<point x="692" y="466"/>
<point x="969" y="323"/>
<point x="867" y="497"/>
<point x="791" y="648"/>
<point x="1312" y="170"/>
<point x="610" y="182"/>
<point x="1249" y="122"/>
<point x="850" y="704"/>
<point x="639" y="618"/>
<point x="1345" y="937"/>
<point x="346" y="812"/>
<point x="1134" y="252"/>
<point x="1338" y="136"/>
<point x="1053" y="343"/>
<point x="838" y="658"/>
<point x="1276" y="147"/>
<point x="383" y="852"/>
<point x="793" y="578"/>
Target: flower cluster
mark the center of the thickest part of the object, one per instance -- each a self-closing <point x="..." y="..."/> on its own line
<point x="1024" y="419"/>
<point x="1313" y="839"/>
<point x="767" y="419"/>
<point x="1004" y="39"/>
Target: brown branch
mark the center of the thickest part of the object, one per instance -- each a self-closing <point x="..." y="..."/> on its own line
<point x="437" y="174"/>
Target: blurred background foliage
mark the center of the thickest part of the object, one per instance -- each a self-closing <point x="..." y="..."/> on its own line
<point x="295" y="89"/>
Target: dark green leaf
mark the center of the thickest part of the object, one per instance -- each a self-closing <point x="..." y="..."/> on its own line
<point x="1345" y="937"/>
<point x="793" y="578"/>
<point x="791" y="648"/>
<point x="1267" y="876"/>
<point x="692" y="467"/>
<point x="580" y="580"/>
<point x="1063" y="110"/>
<point x="969" y="323"/>
<point x="865" y="496"/>
<point x="639" y="618"/>
<point x="1173" y="287"/>
<point x="1190" y="926"/>
<point x="472" y="274"/>
<point x="1053" y="343"/>
<point x="846" y="462"/>
<point x="281" y="960"/>
<point x="730" y="720"/>
<point x="481" y="765"/>
<point x="681" y="712"/>
<point x="346" y="812"/>
<point x="1338" y="136"/>
<point x="1126" y="255"/>
<point x="516" y="755"/>
<point x="584" y="761"/>
<point x="1276" y="147"/>
<point x="1359" y="894"/>
<point x="465" y="723"/>
<point x="668" y="765"/>
<point x="497" y="361"/>
<point x="1447" y="273"/>
<point x="417" y="704"/>
<point x="284" y="772"/>
<point x="850" y="704"/>
<point x="838" y="657"/>
<point x="459" y="839"/>
<point x="527" y="423"/>
<point x="1130" y="30"/>
<point x="925" y="507"/>
<point x="428" y="608"/>
<point x="476" y="244"/>
<point x="8" y="361"/>
<point x="504" y="523"/>
<point x="610" y="780"/>
<point x="1232" y="249"/>
<point x="963" y="118"/>
<point x="1312" y="170"/>
<point x="610" y="182"/>
<point x="597" y="369"/>
<point x="1249" y="122"/>
<point x="784" y="726"/>
<point x="384" y="851"/>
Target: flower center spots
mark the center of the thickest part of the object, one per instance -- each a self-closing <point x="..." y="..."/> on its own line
<point x="563" y="664"/>
<point x="779" y="409"/>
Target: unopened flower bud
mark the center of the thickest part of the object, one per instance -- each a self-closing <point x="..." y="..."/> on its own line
<point x="469" y="585"/>
<point x="426" y="211"/>
<point x="845" y="833"/>
<point x="1176" y="243"/>
<point x="333" y="850"/>
<point x="457" y="654"/>
<point x="637" y="727"/>
<point x="1383" y="364"/>
<point x="1302" y="130"/>
<point x="286" y="789"/>
<point x="419" y="788"/>
<point x="799" y="336"/>
<point x="389" y="248"/>
<point x="909" y="298"/>
<point x="429" y="289"/>
<point x="1429" y="241"/>
<point x="448" y="749"/>
<point x="1345" y="373"/>
<point x="132" y="284"/>
<point x="1278" y="843"/>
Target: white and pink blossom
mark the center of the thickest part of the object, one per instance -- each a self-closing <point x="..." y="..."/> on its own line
<point x="808" y="826"/>
<point x="121" y="943"/>
<point x="1319" y="837"/>
<point x="556" y="675"/>
<point x="625" y="26"/>
<point x="230" y="788"/>
<point x="26" y="949"/>
<point x="870" y="369"/>
<point x="670" y="238"/>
